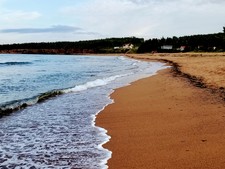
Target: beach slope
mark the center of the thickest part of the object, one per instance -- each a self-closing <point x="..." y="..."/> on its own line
<point x="164" y="122"/>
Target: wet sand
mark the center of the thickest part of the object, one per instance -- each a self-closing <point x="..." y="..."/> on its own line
<point x="165" y="122"/>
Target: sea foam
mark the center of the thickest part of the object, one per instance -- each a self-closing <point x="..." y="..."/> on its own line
<point x="95" y="83"/>
<point x="61" y="131"/>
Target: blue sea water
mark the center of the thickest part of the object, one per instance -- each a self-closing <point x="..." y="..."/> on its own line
<point x="60" y="132"/>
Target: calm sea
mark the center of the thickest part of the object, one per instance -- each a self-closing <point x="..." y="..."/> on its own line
<point x="60" y="132"/>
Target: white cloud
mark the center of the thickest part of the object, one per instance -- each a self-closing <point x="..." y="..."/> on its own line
<point x="177" y="1"/>
<point x="1" y="2"/>
<point x="15" y="16"/>
<point x="150" y="18"/>
<point x="53" y="29"/>
<point x="111" y="18"/>
<point x="45" y="34"/>
<point x="107" y="17"/>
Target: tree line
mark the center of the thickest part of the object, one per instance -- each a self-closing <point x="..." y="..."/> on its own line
<point x="89" y="46"/>
<point x="198" y="43"/>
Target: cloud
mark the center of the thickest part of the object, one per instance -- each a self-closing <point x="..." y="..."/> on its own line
<point x="53" y="29"/>
<point x="177" y="1"/>
<point x="149" y="18"/>
<point x="2" y="1"/>
<point x="15" y="16"/>
<point x="111" y="18"/>
<point x="208" y="1"/>
<point x="107" y="17"/>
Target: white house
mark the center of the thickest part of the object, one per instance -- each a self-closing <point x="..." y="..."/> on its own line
<point x="116" y="47"/>
<point x="167" y="47"/>
<point x="182" y="48"/>
<point x="128" y="46"/>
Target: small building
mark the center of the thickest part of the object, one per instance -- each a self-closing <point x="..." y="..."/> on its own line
<point x="116" y="47"/>
<point x="167" y="47"/>
<point x="183" y="48"/>
<point x="128" y="46"/>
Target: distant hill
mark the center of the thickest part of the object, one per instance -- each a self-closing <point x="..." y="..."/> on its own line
<point x="109" y="45"/>
<point x="198" y="43"/>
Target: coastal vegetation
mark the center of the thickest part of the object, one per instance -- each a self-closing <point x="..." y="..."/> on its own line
<point x="197" y="43"/>
<point x="109" y="45"/>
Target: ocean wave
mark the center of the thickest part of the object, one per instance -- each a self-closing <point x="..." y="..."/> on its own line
<point x="15" y="63"/>
<point x="122" y="58"/>
<point x="95" y="83"/>
<point x="15" y="105"/>
<point x="9" y="107"/>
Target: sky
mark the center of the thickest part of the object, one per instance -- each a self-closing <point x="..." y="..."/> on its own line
<point x="23" y="21"/>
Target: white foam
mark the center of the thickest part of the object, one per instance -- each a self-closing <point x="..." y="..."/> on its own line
<point x="150" y="71"/>
<point x="59" y="120"/>
<point x="122" y="58"/>
<point x="107" y="138"/>
<point x="95" y="83"/>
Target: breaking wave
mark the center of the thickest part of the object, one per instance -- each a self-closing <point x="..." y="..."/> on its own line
<point x="15" y="105"/>
<point x="15" y="63"/>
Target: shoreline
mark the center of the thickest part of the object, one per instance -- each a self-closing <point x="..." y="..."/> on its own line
<point x="200" y="79"/>
<point x="164" y="122"/>
<point x="8" y="107"/>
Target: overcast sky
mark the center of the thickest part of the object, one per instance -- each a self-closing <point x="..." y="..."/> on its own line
<point x="73" y="20"/>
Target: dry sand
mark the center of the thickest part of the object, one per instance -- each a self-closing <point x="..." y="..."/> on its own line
<point x="210" y="67"/>
<point x="166" y="122"/>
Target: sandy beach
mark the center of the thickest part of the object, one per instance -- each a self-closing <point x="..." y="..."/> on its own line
<point x="165" y="121"/>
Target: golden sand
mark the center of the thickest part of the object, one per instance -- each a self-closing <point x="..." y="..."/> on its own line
<point x="208" y="66"/>
<point x="165" y="122"/>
